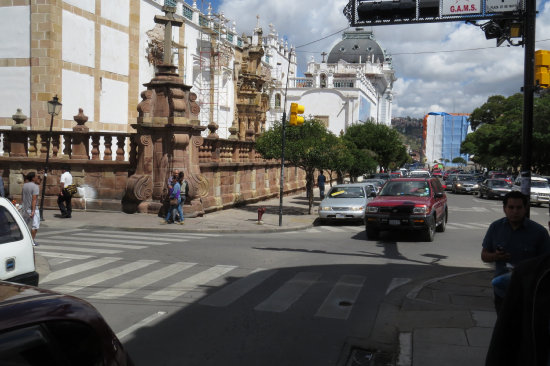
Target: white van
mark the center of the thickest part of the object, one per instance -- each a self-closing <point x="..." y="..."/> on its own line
<point x="540" y="190"/>
<point x="16" y="249"/>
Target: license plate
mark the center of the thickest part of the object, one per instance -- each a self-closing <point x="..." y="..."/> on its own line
<point x="502" y="194"/>
<point x="468" y="189"/>
<point x="340" y="216"/>
<point x="394" y="222"/>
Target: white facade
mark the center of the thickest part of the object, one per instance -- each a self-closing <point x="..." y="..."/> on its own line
<point x="98" y="68"/>
<point x="343" y="93"/>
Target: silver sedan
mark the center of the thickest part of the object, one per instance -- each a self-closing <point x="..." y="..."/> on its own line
<point x="346" y="202"/>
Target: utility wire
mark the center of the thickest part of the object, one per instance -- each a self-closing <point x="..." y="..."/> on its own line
<point x="320" y="39"/>
<point x="443" y="51"/>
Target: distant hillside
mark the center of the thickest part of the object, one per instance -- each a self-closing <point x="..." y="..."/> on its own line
<point x="411" y="129"/>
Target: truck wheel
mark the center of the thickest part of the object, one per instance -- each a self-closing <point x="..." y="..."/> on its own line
<point x="429" y="232"/>
<point x="441" y="227"/>
<point x="372" y="233"/>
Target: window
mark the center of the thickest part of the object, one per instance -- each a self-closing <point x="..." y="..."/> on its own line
<point x="323" y="81"/>
<point x="277" y="100"/>
<point x="323" y="119"/>
<point x="9" y="230"/>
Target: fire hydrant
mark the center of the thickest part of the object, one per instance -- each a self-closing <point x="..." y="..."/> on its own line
<point x="261" y="211"/>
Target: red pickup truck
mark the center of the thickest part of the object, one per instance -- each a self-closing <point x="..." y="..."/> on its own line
<point x="408" y="204"/>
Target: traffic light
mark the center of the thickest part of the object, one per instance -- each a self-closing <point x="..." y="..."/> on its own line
<point x="296" y="109"/>
<point x="542" y="68"/>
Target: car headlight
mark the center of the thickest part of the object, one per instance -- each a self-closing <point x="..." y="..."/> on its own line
<point x="420" y="209"/>
<point x="326" y="208"/>
<point x="476" y="186"/>
<point x="372" y="209"/>
<point x="458" y="184"/>
<point x="356" y="208"/>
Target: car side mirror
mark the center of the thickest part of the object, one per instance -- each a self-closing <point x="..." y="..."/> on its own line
<point x="372" y="194"/>
<point x="438" y="194"/>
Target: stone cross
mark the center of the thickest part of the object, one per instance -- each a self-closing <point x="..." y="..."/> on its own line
<point x="323" y="54"/>
<point x="169" y="21"/>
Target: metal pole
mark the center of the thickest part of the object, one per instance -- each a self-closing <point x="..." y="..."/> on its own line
<point x="528" y="96"/>
<point x="283" y="139"/>
<point x="46" y="172"/>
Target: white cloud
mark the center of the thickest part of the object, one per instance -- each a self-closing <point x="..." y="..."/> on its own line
<point x="429" y="79"/>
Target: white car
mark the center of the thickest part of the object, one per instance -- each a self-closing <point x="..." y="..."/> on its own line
<point x="16" y="247"/>
<point x="346" y="202"/>
<point x="540" y="190"/>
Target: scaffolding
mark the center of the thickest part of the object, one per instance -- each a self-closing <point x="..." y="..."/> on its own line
<point x="212" y="90"/>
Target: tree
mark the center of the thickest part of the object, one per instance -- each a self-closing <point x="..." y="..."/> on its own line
<point x="307" y="146"/>
<point x="384" y="143"/>
<point x="459" y="160"/>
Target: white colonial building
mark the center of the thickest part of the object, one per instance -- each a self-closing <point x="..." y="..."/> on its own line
<point x="97" y="54"/>
<point x="352" y="86"/>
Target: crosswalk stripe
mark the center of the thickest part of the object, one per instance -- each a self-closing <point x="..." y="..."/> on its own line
<point x="103" y="276"/>
<point x="313" y="230"/>
<point x="181" y="287"/>
<point x="334" y="229"/>
<point x="95" y="244"/>
<point x="170" y="235"/>
<point x="142" y="281"/>
<point x="130" y="238"/>
<point x="289" y="293"/>
<point x="78" y="268"/>
<point x="461" y="225"/>
<point x="57" y="232"/>
<point x="72" y="248"/>
<point x="62" y="255"/>
<point x="484" y="226"/>
<point x="338" y="303"/>
<point x="233" y="291"/>
<point x="122" y="241"/>
<point x="356" y="228"/>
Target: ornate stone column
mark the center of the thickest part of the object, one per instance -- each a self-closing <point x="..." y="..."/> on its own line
<point x="18" y="136"/>
<point x="80" y="149"/>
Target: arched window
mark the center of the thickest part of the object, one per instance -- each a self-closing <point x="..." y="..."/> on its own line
<point x="277" y="100"/>
<point x="323" y="81"/>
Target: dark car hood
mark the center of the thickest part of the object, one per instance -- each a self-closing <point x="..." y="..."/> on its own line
<point x="399" y="201"/>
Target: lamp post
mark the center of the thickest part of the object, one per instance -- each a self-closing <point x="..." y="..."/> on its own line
<point x="53" y="109"/>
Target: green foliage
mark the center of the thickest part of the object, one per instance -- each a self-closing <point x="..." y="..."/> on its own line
<point x="459" y="160"/>
<point x="383" y="142"/>
<point x="496" y="142"/>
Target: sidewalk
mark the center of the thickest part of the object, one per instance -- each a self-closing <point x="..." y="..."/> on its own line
<point x="240" y="219"/>
<point x="447" y="320"/>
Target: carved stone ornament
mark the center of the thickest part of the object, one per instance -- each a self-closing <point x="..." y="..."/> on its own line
<point x="140" y="187"/>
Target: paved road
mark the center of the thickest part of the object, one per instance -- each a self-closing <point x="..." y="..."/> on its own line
<point x="298" y="297"/>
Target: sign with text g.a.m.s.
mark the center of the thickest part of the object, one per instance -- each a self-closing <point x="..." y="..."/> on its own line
<point x="460" y="7"/>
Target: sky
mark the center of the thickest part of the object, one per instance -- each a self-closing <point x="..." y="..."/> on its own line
<point x="440" y="67"/>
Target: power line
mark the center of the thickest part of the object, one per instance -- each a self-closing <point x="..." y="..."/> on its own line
<point x="320" y="39"/>
<point x="442" y="51"/>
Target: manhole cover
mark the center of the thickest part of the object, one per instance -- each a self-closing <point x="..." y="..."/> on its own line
<point x="360" y="357"/>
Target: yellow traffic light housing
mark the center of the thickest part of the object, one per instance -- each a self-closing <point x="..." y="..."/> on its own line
<point x="296" y="109"/>
<point x="542" y="68"/>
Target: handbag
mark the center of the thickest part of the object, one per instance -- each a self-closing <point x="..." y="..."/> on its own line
<point x="71" y="189"/>
<point x="173" y="202"/>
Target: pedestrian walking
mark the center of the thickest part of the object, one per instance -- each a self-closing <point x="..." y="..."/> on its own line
<point x="511" y="240"/>
<point x="321" y="179"/>
<point x="175" y="200"/>
<point x="65" y="196"/>
<point x="29" y="198"/>
<point x="184" y="192"/>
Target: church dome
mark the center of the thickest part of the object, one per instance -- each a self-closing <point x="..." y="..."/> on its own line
<point x="356" y="46"/>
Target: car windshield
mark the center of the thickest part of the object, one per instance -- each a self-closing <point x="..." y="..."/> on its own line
<point x="346" y="192"/>
<point x="413" y="188"/>
<point x="539" y="184"/>
<point x="464" y="177"/>
<point x="499" y="183"/>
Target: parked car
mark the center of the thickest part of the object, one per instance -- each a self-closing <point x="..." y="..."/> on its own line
<point x="16" y="247"/>
<point x="494" y="188"/>
<point x="419" y="174"/>
<point x="408" y="204"/>
<point x="41" y="327"/>
<point x="540" y="190"/>
<point x="346" y="202"/>
<point x="465" y="183"/>
<point x="378" y="183"/>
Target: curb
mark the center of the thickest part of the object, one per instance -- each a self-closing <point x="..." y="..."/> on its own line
<point x="185" y="230"/>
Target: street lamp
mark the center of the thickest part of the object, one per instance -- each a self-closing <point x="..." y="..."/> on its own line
<point x="53" y="109"/>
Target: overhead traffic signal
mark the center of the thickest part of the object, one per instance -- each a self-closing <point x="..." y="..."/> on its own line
<point x="542" y="68"/>
<point x="296" y="109"/>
